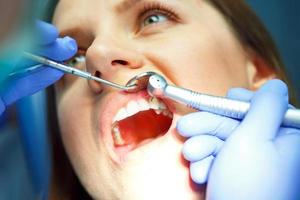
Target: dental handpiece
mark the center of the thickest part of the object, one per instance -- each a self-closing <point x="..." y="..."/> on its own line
<point x="158" y="87"/>
<point x="71" y="70"/>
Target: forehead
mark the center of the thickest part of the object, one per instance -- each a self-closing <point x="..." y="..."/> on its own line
<point x="91" y="14"/>
<point x="113" y="5"/>
<point x="117" y="4"/>
<point x="68" y="12"/>
<point x="94" y="8"/>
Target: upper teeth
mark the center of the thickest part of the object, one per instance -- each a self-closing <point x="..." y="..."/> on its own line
<point x="135" y="106"/>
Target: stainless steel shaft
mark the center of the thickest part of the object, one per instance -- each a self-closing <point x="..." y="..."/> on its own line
<point x="158" y="86"/>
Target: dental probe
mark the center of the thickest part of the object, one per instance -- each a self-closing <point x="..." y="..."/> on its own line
<point x="71" y="70"/>
<point x="158" y="87"/>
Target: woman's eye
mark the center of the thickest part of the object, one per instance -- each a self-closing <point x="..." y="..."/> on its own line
<point x="154" y="19"/>
<point x="76" y="60"/>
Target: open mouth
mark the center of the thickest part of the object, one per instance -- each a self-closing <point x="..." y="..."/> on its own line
<point x="140" y="122"/>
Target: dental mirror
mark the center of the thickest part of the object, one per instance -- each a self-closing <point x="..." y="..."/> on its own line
<point x="139" y="82"/>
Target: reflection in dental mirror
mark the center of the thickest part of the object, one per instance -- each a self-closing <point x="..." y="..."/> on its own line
<point x="140" y="82"/>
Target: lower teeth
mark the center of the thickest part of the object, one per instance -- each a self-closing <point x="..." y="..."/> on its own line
<point x="158" y="111"/>
<point x="118" y="140"/>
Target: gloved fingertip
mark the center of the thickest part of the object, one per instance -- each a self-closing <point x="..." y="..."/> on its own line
<point x="187" y="125"/>
<point x="183" y="125"/>
<point x="240" y="94"/>
<point x="70" y="43"/>
<point x="200" y="147"/>
<point x="189" y="151"/>
<point x="267" y="110"/>
<point x="194" y="148"/>
<point x="200" y="170"/>
<point x="275" y="85"/>
<point x="46" y="33"/>
<point x="272" y="90"/>
<point x="197" y="176"/>
<point x="62" y="49"/>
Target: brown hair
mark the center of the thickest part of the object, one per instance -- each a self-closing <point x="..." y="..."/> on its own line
<point x="248" y="29"/>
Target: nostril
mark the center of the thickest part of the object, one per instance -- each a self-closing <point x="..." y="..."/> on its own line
<point x="97" y="74"/>
<point x="120" y="62"/>
<point x="94" y="85"/>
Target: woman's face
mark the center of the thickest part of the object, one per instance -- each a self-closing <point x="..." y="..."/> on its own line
<point x="118" y="147"/>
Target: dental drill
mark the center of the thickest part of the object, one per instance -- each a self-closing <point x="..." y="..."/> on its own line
<point x="158" y="87"/>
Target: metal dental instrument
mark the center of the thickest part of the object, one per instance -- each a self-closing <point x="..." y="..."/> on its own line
<point x="71" y="70"/>
<point x="158" y="87"/>
<point x="140" y="81"/>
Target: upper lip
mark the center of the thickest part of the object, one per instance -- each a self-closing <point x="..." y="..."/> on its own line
<point x="112" y="102"/>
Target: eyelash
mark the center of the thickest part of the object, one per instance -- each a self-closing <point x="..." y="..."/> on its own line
<point x="153" y="8"/>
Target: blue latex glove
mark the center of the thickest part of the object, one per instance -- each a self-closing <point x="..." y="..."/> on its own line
<point x="48" y="45"/>
<point x="250" y="159"/>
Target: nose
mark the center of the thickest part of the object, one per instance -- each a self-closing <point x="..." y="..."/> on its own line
<point x="109" y="59"/>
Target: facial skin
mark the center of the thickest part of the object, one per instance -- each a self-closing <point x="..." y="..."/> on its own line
<point x="192" y="48"/>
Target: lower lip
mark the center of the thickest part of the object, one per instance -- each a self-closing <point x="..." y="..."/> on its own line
<point x="128" y="153"/>
<point x="122" y="151"/>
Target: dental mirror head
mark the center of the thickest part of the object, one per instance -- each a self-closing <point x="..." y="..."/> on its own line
<point x="139" y="82"/>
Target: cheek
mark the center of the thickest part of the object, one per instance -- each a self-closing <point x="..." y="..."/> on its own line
<point x="207" y="64"/>
<point x="74" y="119"/>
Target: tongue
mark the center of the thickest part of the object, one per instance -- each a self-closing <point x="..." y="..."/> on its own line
<point x="142" y="126"/>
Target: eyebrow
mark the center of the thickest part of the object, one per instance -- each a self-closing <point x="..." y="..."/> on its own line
<point x="126" y="5"/>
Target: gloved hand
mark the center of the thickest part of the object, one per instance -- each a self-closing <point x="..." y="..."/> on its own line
<point x="50" y="46"/>
<point x="250" y="159"/>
